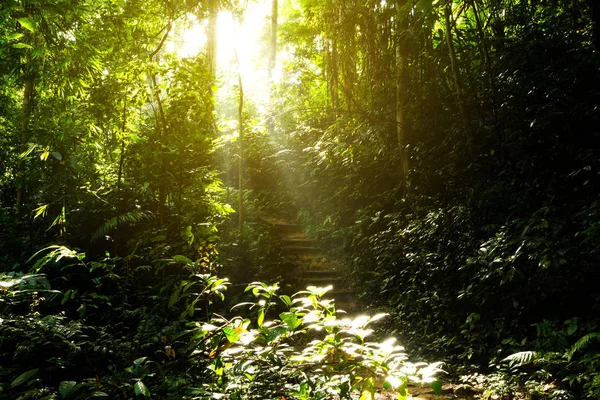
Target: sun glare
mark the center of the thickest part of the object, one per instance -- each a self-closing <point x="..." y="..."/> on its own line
<point x="243" y="38"/>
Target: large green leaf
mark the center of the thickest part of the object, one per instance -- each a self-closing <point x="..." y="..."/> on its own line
<point x="13" y="36"/>
<point x="231" y="335"/>
<point x="140" y="389"/>
<point x="27" y="23"/>
<point x="291" y="319"/>
<point x="182" y="259"/>
<point x="22" y="46"/>
<point x="24" y="377"/>
<point x="437" y="387"/>
<point x="68" y="388"/>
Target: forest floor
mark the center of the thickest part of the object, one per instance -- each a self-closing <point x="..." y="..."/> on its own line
<point x="424" y="393"/>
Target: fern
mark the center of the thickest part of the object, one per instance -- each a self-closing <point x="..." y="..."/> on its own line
<point x="582" y="343"/>
<point x="521" y="358"/>
<point x="130" y="218"/>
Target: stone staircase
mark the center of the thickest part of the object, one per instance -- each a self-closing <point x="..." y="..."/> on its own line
<point x="313" y="267"/>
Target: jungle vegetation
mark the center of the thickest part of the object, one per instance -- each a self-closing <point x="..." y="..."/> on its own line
<point x="445" y="151"/>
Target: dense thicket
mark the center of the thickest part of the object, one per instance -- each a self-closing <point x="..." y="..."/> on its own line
<point x="449" y="153"/>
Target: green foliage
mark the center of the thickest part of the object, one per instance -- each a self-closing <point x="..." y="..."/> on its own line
<point x="267" y="359"/>
<point x="306" y="351"/>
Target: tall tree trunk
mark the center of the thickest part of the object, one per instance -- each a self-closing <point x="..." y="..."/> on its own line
<point x="401" y="89"/>
<point x="272" y="61"/>
<point x="212" y="28"/>
<point x="456" y="71"/>
<point x="273" y="43"/>
<point x="161" y="125"/>
<point x="121" y="162"/>
<point x="241" y="157"/>
<point x="348" y="53"/>
<point x="335" y="101"/>
<point x="26" y="109"/>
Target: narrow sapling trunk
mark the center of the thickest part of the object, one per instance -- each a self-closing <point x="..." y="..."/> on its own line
<point x="161" y="125"/>
<point x="121" y="162"/>
<point x="241" y="156"/>
<point x="456" y="72"/>
<point x="27" y="109"/>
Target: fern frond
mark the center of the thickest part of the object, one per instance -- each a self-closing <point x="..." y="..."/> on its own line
<point x="521" y="358"/>
<point x="582" y="343"/>
<point x="130" y="218"/>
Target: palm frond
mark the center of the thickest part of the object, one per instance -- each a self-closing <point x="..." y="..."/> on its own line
<point x="521" y="358"/>
<point x="130" y="218"/>
<point x="582" y="343"/>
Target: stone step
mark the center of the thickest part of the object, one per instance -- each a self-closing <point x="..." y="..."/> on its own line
<point x="284" y="228"/>
<point x="321" y="272"/>
<point x="341" y="295"/>
<point x="314" y="251"/>
<point x="297" y="242"/>
<point x="323" y="280"/>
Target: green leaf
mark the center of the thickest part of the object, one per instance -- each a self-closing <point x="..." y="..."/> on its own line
<point x="66" y="388"/>
<point x="22" y="46"/>
<point x="231" y="335"/>
<point x="290" y="319"/>
<point x="24" y="377"/>
<point x="57" y="155"/>
<point x="182" y="259"/>
<point x="521" y="358"/>
<point x="274" y="333"/>
<point x="174" y="297"/>
<point x="27" y="23"/>
<point x="582" y="343"/>
<point x="13" y="36"/>
<point x="437" y="387"/>
<point x="140" y="389"/>
<point x="139" y="361"/>
<point x="286" y="300"/>
<point x="261" y="317"/>
<point x="31" y="147"/>
<point x="403" y="390"/>
<point x="41" y="210"/>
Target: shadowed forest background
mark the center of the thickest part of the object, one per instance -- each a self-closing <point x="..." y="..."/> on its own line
<point x="443" y="152"/>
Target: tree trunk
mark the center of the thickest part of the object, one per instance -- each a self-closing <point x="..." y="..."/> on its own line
<point x="272" y="61"/>
<point x="27" y="109"/>
<point x="241" y="157"/>
<point x="401" y="89"/>
<point x="121" y="162"/>
<point x="273" y="43"/>
<point x="212" y="37"/>
<point x="161" y="124"/>
<point x="456" y="71"/>
<point x="335" y="101"/>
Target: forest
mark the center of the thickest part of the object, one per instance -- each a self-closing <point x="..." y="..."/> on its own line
<point x="299" y="199"/>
